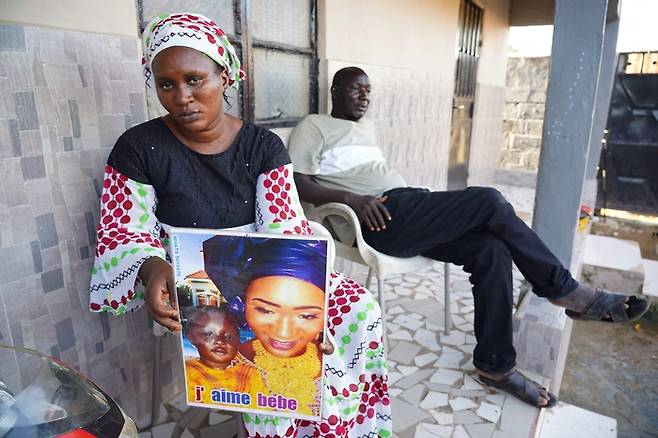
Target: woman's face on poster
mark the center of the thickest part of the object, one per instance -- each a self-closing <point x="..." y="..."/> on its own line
<point x="285" y="314"/>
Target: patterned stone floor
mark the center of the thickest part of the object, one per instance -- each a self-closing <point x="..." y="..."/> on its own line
<point x="434" y="389"/>
<point x="431" y="375"/>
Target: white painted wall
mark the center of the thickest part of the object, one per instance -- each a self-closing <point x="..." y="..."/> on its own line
<point x="118" y="17"/>
<point x="492" y="66"/>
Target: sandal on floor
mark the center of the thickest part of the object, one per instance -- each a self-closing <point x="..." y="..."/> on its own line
<point x="522" y="388"/>
<point x="609" y="307"/>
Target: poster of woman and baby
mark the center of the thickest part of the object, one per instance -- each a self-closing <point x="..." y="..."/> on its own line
<point x="253" y="313"/>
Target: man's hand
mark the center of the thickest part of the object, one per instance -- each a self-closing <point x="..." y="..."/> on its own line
<point x="160" y="292"/>
<point x="371" y="211"/>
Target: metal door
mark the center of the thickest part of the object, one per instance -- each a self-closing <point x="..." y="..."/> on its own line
<point x="468" y="46"/>
<point x="628" y="175"/>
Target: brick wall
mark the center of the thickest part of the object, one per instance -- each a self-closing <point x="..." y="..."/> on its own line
<point x="527" y="79"/>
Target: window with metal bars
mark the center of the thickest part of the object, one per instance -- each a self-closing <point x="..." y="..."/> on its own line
<point x="276" y="42"/>
<point x="468" y="48"/>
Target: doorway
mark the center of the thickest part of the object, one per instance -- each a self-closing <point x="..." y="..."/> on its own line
<point x="468" y="45"/>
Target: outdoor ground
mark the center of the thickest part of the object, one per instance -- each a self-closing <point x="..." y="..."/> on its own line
<point x="613" y="370"/>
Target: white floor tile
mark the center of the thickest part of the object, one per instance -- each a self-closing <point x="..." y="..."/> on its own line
<point x="434" y="400"/>
<point x="461" y="403"/>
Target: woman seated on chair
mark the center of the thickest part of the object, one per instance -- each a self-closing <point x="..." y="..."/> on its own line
<point x="200" y="167"/>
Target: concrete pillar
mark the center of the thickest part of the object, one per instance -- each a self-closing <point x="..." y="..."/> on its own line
<point x="572" y="85"/>
<point x="602" y="105"/>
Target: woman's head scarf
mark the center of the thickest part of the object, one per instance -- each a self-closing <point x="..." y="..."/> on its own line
<point x="196" y="32"/>
<point x="232" y="262"/>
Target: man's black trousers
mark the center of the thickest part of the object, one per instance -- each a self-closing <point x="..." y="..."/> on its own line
<point x="475" y="228"/>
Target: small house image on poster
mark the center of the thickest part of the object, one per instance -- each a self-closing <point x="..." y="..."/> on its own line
<point x="253" y="313"/>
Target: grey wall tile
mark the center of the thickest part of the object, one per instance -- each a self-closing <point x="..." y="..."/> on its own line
<point x="16" y="262"/>
<point x="12" y="189"/>
<point x="137" y="107"/>
<point x="167" y="373"/>
<point x="45" y="106"/>
<point x="33" y="167"/>
<point x="120" y="97"/>
<point x="39" y="196"/>
<point x="33" y="296"/>
<point x="7" y="104"/>
<point x="65" y="335"/>
<point x="10" y="141"/>
<point x="37" y="72"/>
<point x="51" y="258"/>
<point x="23" y="226"/>
<point x="35" y="246"/>
<point x="31" y="143"/>
<point x="52" y="280"/>
<point x="91" y="227"/>
<point x="129" y="48"/>
<point x="51" y="97"/>
<point x="26" y="110"/>
<point x="86" y="106"/>
<point x="90" y="138"/>
<point x="16" y="331"/>
<point x="12" y="38"/>
<point x="18" y="67"/>
<point x="68" y="144"/>
<point x="83" y="75"/>
<point x="110" y="128"/>
<point x="64" y="125"/>
<point x="46" y="230"/>
<point x="62" y="80"/>
<point x="75" y="118"/>
<point x="105" y="326"/>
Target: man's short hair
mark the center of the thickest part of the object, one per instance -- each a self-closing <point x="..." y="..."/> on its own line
<point x="345" y="74"/>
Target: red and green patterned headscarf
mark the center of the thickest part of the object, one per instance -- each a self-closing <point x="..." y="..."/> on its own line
<point x="193" y="31"/>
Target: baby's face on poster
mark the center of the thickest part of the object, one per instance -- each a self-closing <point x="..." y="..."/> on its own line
<point x="284" y="313"/>
<point x="215" y="338"/>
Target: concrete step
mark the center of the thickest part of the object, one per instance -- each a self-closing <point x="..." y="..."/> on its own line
<point x="650" y="277"/>
<point x="568" y="421"/>
<point x="612" y="264"/>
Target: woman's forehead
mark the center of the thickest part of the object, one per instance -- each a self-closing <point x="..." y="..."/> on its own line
<point x="185" y="58"/>
<point x="284" y="290"/>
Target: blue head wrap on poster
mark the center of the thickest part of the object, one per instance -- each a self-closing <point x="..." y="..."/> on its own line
<point x="232" y="262"/>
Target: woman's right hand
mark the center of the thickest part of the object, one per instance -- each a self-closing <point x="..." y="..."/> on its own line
<point x="158" y="276"/>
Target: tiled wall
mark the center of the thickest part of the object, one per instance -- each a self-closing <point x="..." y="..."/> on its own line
<point x="65" y="97"/>
<point x="486" y="134"/>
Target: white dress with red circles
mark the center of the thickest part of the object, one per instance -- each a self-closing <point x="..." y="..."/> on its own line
<point x="355" y="398"/>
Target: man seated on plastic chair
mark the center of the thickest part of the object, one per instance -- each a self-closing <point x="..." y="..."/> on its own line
<point x="337" y="159"/>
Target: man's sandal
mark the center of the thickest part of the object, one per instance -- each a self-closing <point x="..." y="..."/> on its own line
<point x="522" y="388"/>
<point x="609" y="307"/>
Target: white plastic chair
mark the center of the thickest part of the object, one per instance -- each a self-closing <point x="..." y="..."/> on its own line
<point x="383" y="264"/>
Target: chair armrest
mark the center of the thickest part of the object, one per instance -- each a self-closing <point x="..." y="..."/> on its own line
<point x="320" y="230"/>
<point x="344" y="211"/>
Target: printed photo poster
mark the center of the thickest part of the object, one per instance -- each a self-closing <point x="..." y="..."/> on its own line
<point x="253" y="309"/>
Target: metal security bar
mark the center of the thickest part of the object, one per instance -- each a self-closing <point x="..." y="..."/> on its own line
<point x="468" y="50"/>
